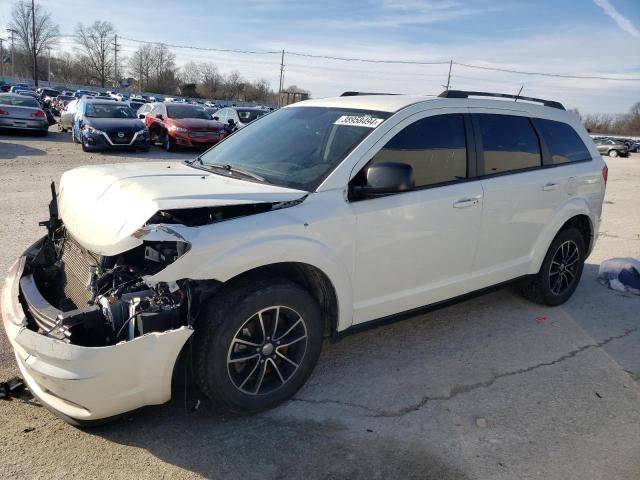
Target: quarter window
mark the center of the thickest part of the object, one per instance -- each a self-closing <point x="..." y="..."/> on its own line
<point x="563" y="142"/>
<point x="509" y="143"/>
<point x="434" y="146"/>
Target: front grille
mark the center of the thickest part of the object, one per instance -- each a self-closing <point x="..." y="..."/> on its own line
<point x="78" y="266"/>
<point x="115" y="138"/>
<point x="203" y="134"/>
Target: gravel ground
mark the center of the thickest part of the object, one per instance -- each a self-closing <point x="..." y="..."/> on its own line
<point x="493" y="388"/>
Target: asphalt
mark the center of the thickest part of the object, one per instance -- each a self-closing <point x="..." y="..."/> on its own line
<point x="492" y="388"/>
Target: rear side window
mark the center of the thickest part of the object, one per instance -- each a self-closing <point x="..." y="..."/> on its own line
<point x="563" y="142"/>
<point x="510" y="143"/>
<point x="434" y="146"/>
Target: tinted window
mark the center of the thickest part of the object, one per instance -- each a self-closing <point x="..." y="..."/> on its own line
<point x="563" y="142"/>
<point x="106" y="110"/>
<point x="435" y="147"/>
<point x="509" y="142"/>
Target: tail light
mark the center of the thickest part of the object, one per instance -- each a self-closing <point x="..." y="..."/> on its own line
<point x="38" y="114"/>
<point x="3" y="112"/>
<point x="605" y="173"/>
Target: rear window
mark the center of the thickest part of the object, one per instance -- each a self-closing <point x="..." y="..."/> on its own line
<point x="564" y="144"/>
<point x="510" y="143"/>
<point x="19" y="101"/>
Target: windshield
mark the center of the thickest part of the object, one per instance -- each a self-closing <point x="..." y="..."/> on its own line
<point x="296" y="147"/>
<point x="187" y="111"/>
<point x="100" y="110"/>
<point x="19" y="101"/>
<point x="247" y="116"/>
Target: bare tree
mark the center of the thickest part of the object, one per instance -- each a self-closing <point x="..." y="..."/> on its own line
<point x="34" y="28"/>
<point x="210" y="79"/>
<point x="191" y="73"/>
<point x="95" y="43"/>
<point x="140" y="65"/>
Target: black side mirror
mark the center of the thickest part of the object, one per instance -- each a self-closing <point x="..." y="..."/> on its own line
<point x="159" y="116"/>
<point x="232" y="122"/>
<point x="141" y="116"/>
<point x="387" y="177"/>
<point x="216" y="118"/>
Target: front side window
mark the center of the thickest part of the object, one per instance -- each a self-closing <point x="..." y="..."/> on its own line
<point x="510" y="143"/>
<point x="296" y="147"/>
<point x="435" y="147"/>
<point x="563" y="142"/>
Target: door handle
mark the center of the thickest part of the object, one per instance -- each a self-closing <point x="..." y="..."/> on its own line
<point x="550" y="186"/>
<point x="466" y="202"/>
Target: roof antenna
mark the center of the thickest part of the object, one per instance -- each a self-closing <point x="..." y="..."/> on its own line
<point x="519" y="92"/>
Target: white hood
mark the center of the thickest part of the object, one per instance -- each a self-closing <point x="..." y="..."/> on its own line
<point x="102" y="206"/>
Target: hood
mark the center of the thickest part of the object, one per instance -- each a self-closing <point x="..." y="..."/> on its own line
<point x="196" y="123"/>
<point x="108" y="124"/>
<point x="102" y="206"/>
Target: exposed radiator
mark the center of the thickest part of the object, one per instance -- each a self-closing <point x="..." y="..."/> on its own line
<point x="78" y="268"/>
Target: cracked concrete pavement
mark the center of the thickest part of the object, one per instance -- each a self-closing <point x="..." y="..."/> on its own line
<point x="494" y="387"/>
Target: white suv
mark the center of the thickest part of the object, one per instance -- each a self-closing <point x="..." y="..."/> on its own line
<point x="316" y="218"/>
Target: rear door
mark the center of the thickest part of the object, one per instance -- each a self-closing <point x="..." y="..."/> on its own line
<point x="521" y="193"/>
<point x="416" y="248"/>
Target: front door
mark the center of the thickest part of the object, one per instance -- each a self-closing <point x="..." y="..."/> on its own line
<point x="417" y="248"/>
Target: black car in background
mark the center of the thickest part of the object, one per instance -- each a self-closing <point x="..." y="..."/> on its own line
<point x="101" y="124"/>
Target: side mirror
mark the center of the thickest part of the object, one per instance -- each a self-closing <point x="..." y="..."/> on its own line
<point x="232" y="122"/>
<point x="387" y="177"/>
<point x="141" y="116"/>
<point x="159" y="116"/>
<point x="216" y="118"/>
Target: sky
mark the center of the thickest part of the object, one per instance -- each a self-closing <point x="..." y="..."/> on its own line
<point x="580" y="38"/>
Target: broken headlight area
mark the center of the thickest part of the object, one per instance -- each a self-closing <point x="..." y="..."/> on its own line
<point x="87" y="299"/>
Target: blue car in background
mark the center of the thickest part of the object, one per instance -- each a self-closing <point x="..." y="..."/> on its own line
<point x="103" y="124"/>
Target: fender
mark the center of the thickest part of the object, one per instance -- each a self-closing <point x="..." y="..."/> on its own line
<point x="264" y="251"/>
<point x="574" y="206"/>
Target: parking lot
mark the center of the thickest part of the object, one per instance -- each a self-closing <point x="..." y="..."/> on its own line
<point x="494" y="387"/>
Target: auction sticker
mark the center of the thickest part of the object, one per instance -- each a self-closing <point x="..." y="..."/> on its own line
<point x="355" y="121"/>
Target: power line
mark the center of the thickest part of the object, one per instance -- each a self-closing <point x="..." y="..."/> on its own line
<point x="542" y="74"/>
<point x="207" y="49"/>
<point x="365" y="60"/>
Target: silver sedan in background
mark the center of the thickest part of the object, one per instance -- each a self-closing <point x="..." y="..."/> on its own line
<point x="21" y="112"/>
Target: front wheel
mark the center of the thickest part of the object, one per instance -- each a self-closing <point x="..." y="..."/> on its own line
<point x="560" y="271"/>
<point x="257" y="344"/>
<point x="613" y="153"/>
<point x="167" y="143"/>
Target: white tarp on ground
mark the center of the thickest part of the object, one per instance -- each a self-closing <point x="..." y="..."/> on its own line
<point x="621" y="274"/>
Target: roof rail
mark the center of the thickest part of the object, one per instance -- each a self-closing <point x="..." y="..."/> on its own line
<point x="464" y="94"/>
<point x="357" y="94"/>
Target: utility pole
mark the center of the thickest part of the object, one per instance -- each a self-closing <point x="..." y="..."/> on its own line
<point x="281" y="79"/>
<point x="13" y="57"/>
<point x="49" y="68"/>
<point x="33" y="40"/>
<point x="449" y="76"/>
<point x="115" y="55"/>
<point x="1" y="59"/>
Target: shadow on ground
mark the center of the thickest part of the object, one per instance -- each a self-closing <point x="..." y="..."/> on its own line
<point x="9" y="151"/>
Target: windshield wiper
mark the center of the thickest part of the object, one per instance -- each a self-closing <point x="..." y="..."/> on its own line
<point x="232" y="169"/>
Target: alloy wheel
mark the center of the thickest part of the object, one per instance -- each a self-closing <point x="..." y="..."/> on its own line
<point x="267" y="350"/>
<point x="564" y="267"/>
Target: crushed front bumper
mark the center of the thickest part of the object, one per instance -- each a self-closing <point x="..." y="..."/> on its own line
<point x="85" y="384"/>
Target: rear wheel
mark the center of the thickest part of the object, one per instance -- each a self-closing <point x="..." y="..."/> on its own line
<point x="257" y="344"/>
<point x="613" y="153"/>
<point x="560" y="271"/>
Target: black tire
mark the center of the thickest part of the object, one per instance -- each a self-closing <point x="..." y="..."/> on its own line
<point x="167" y="142"/>
<point x="549" y="288"/>
<point x="233" y="314"/>
<point x="83" y="142"/>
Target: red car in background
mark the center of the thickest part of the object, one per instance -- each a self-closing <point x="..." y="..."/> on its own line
<point x="182" y="125"/>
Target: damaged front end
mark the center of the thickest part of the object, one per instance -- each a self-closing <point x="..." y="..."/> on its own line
<point x="76" y="296"/>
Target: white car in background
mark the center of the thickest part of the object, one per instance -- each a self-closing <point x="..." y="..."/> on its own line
<point x="324" y="215"/>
